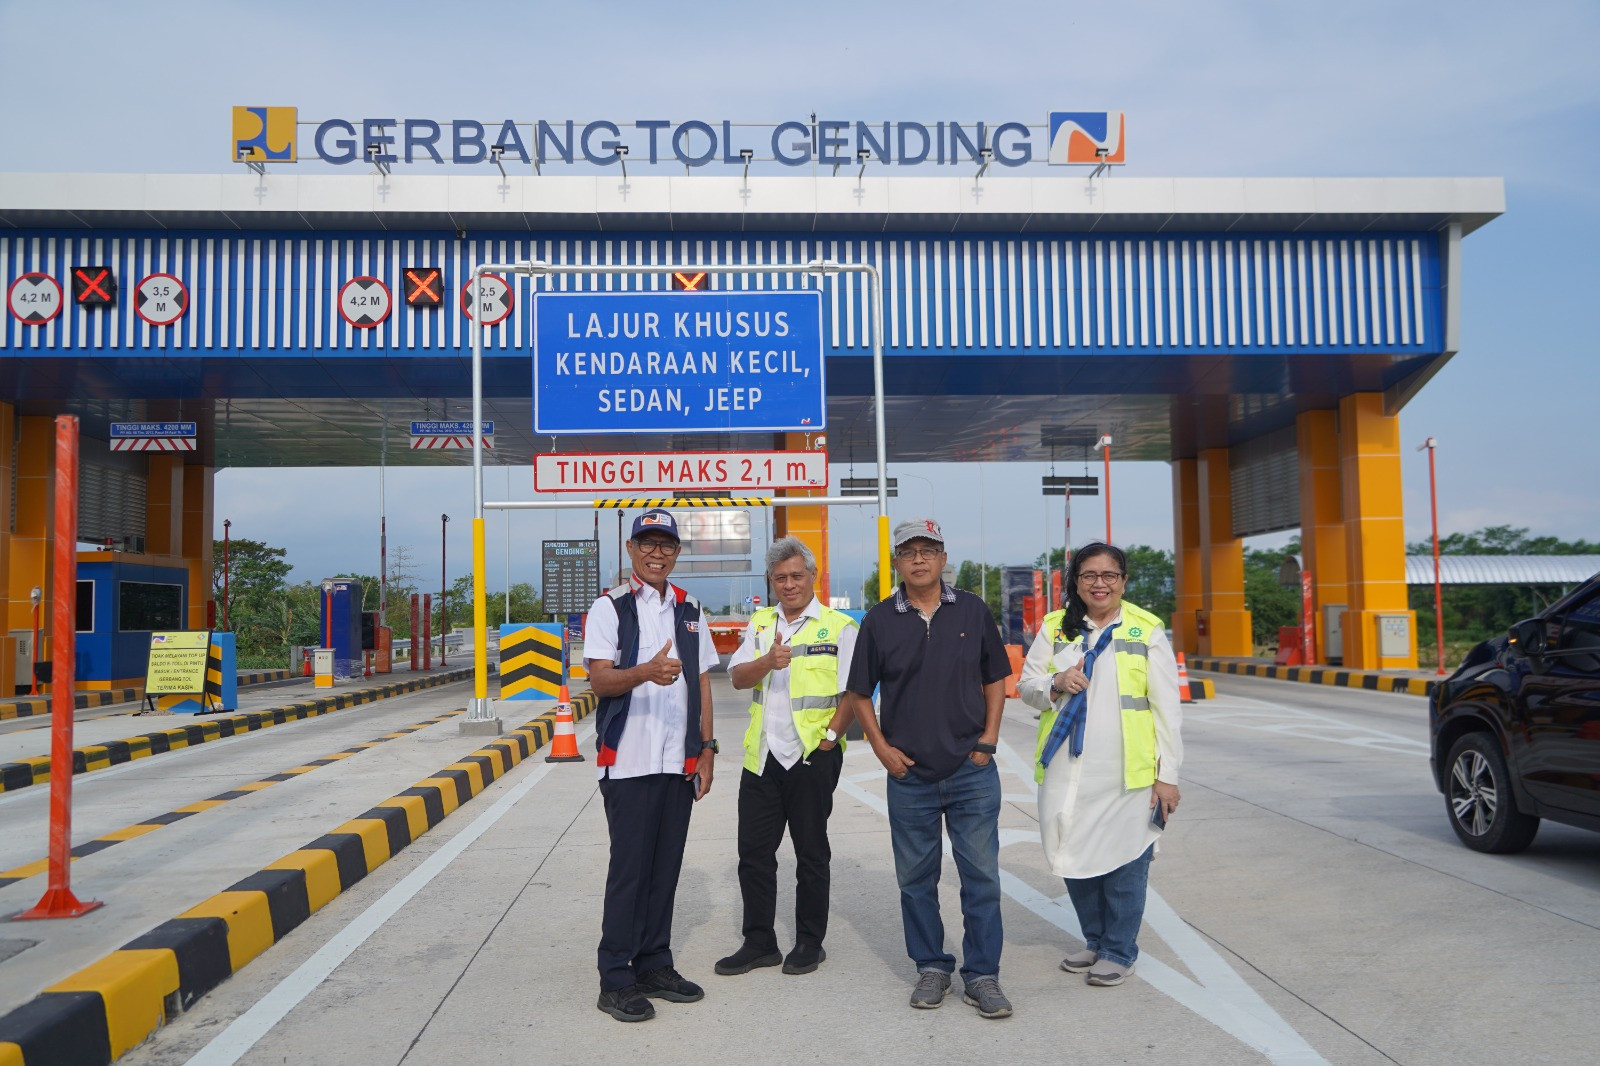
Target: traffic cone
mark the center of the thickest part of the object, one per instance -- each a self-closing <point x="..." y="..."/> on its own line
<point x="564" y="743"/>
<point x="1183" y="681"/>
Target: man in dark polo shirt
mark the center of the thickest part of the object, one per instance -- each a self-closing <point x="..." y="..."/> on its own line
<point x="938" y="657"/>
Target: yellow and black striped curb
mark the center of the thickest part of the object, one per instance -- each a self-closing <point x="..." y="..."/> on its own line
<point x="1201" y="688"/>
<point x="189" y="810"/>
<point x="32" y="706"/>
<point x="1321" y="675"/>
<point x="36" y="770"/>
<point x="103" y="1010"/>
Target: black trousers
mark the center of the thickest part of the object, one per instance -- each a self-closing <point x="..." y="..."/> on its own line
<point x="649" y="822"/>
<point x="800" y="798"/>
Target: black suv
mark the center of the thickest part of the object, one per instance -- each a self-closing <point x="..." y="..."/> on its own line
<point x="1516" y="730"/>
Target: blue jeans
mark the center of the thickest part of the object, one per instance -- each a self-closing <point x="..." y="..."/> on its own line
<point x="1111" y="907"/>
<point x="968" y="804"/>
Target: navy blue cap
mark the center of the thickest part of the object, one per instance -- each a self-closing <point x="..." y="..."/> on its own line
<point x="656" y="521"/>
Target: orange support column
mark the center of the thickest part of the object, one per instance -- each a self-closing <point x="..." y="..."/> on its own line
<point x="809" y="525"/>
<point x="1186" y="555"/>
<point x="1322" y="517"/>
<point x="8" y="459"/>
<point x="163" y="502"/>
<point x="1375" y="544"/>
<point x="198" y="486"/>
<point x="1224" y="622"/>
<point x="29" y="544"/>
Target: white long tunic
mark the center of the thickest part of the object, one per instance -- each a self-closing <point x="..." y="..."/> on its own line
<point x="1089" y="823"/>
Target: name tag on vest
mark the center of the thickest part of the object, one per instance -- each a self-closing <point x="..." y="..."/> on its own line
<point x="817" y="649"/>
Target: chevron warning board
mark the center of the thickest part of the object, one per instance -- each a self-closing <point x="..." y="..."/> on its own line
<point x="530" y="661"/>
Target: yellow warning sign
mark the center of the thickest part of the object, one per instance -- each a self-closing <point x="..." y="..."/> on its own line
<point x="177" y="662"/>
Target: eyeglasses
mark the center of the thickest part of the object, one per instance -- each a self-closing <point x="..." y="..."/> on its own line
<point x="1109" y="577"/>
<point x="657" y="547"/>
<point x="919" y="553"/>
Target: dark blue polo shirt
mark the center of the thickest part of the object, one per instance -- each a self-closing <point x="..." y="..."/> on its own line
<point x="932" y="676"/>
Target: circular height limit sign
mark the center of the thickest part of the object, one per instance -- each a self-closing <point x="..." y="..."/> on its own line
<point x="34" y="299"/>
<point x="364" y="302"/>
<point x="160" y="299"/>
<point x="496" y="299"/>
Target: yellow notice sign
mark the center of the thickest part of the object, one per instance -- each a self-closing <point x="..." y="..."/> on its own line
<point x="177" y="663"/>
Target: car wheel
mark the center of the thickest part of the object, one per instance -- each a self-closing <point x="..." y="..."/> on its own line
<point x="1478" y="797"/>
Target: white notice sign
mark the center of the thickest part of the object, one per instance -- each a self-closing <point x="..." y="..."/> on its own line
<point x="670" y="471"/>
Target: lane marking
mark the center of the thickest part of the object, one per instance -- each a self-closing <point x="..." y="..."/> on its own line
<point x="1306" y="725"/>
<point x="150" y="825"/>
<point x="245" y="1031"/>
<point x="1218" y="994"/>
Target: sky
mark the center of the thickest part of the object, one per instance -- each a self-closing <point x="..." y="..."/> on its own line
<point x="1233" y="88"/>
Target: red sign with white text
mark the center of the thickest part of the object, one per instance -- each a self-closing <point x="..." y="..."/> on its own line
<point x="671" y="471"/>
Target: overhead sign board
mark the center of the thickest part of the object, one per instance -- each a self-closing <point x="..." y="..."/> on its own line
<point x="674" y="471"/>
<point x="153" y="429"/>
<point x="273" y="135"/>
<point x="435" y="436"/>
<point x="34" y="299"/>
<point x="364" y="302"/>
<point x="160" y="299"/>
<point x="571" y="576"/>
<point x="667" y="362"/>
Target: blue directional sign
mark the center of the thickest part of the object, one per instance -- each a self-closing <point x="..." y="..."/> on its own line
<point x="666" y="362"/>
<point x="153" y="429"/>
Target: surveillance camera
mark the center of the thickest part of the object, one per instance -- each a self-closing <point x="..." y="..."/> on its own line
<point x="461" y="234"/>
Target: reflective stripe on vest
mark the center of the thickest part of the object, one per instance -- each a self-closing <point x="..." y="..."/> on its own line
<point x="1132" y="656"/>
<point x="814" y="681"/>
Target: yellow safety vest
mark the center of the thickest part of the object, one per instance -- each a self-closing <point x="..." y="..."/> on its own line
<point x="814" y="681"/>
<point x="1131" y="645"/>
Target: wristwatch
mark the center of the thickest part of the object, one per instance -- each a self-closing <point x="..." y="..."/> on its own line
<point x="987" y="749"/>
<point x="716" y="749"/>
<point x="830" y="736"/>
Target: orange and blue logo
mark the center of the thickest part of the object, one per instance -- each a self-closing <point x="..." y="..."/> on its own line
<point x="1087" y="137"/>
<point x="265" y="134"/>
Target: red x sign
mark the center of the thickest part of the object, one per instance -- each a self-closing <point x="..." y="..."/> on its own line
<point x="689" y="282"/>
<point x="93" y="286"/>
<point x="424" y="287"/>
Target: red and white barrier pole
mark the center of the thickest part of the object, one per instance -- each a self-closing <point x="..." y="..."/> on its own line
<point x="58" y="900"/>
<point x="416" y="635"/>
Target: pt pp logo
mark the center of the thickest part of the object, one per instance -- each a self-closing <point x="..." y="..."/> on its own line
<point x="265" y="134"/>
<point x="1092" y="137"/>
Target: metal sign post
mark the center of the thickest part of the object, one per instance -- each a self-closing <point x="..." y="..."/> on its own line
<point x="479" y="717"/>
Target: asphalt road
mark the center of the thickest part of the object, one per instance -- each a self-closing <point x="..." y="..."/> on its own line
<point x="1309" y="904"/>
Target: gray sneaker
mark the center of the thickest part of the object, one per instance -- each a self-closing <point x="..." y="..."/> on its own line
<point x="1079" y="961"/>
<point x="1106" y="974"/>
<point x="929" y="993"/>
<point x="985" y="994"/>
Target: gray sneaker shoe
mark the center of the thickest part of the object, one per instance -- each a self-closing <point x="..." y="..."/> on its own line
<point x="1105" y="973"/>
<point x="929" y="993"/>
<point x="1079" y="961"/>
<point x="985" y="994"/>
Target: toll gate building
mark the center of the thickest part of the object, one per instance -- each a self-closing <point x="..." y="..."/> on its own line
<point x="1260" y="335"/>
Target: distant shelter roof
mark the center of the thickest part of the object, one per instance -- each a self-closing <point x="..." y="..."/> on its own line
<point x="1503" y="569"/>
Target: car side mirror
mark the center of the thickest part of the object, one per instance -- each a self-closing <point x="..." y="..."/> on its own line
<point x="1528" y="637"/>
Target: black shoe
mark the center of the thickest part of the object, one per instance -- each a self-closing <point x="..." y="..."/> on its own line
<point x="666" y="983"/>
<point x="804" y="958"/>
<point x="746" y="959"/>
<point x="626" y="1005"/>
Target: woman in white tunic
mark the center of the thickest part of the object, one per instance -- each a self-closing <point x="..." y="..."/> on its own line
<point x="1104" y="674"/>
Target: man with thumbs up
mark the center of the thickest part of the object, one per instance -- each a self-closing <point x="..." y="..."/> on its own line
<point x="796" y="659"/>
<point x="649" y="655"/>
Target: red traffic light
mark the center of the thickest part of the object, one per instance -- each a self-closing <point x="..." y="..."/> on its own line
<point x="424" y="287"/>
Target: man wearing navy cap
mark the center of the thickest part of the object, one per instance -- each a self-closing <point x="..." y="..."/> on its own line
<point x="653" y="730"/>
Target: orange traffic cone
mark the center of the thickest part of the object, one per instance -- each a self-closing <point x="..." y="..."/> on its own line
<point x="1183" y="681"/>
<point x="307" y="672"/>
<point x="564" y="743"/>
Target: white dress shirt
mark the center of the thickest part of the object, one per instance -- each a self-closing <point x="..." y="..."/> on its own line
<point x="652" y="742"/>
<point x="778" y="734"/>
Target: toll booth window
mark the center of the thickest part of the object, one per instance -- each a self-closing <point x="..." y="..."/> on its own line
<point x="84" y="612"/>
<point x="143" y="606"/>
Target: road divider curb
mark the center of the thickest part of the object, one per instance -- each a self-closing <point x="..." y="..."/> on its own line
<point x="36" y="771"/>
<point x="33" y="706"/>
<point x="111" y="1006"/>
<point x="1322" y="675"/>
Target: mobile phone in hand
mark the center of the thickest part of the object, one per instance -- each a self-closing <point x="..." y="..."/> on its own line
<point x="1158" y="815"/>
